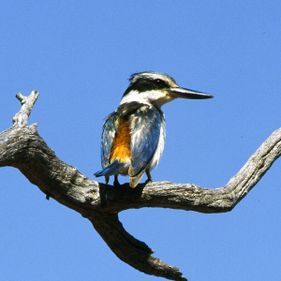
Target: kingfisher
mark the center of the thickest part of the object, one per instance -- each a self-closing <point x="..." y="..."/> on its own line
<point x="133" y="136"/>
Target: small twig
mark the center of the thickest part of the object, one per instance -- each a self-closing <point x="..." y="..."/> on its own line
<point x="21" y="118"/>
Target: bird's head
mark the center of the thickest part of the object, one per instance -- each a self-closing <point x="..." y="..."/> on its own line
<point x="157" y="89"/>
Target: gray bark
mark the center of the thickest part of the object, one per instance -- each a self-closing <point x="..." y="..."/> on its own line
<point x="22" y="147"/>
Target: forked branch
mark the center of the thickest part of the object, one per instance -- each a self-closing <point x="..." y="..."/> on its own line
<point x="22" y="147"/>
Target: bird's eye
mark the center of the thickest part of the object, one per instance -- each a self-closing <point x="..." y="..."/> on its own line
<point x="158" y="81"/>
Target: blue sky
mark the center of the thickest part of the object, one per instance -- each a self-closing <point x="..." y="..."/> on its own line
<point x="79" y="55"/>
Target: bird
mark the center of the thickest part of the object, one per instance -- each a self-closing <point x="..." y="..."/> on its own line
<point x="133" y="136"/>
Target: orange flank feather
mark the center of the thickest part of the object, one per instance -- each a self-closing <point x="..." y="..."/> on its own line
<point x="121" y="149"/>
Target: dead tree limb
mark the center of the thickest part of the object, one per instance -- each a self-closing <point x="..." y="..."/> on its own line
<point x="22" y="147"/>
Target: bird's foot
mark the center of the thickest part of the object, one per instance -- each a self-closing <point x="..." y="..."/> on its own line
<point x="148" y="181"/>
<point x="106" y="179"/>
<point x="116" y="183"/>
<point x="149" y="178"/>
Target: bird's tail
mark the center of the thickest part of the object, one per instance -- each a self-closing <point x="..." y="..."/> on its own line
<point x="111" y="169"/>
<point x="134" y="180"/>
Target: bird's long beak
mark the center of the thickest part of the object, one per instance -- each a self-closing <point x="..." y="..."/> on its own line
<point x="179" y="92"/>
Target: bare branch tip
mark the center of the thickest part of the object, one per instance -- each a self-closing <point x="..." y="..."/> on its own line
<point x="35" y="93"/>
<point x="21" y="97"/>
<point x="27" y="102"/>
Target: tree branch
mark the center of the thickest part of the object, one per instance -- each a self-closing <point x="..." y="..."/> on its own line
<point x="22" y="147"/>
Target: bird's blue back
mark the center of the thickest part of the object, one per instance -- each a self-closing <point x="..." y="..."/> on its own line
<point x="145" y="124"/>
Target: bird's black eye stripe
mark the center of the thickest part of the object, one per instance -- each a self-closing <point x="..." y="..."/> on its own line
<point x="160" y="84"/>
<point x="147" y="84"/>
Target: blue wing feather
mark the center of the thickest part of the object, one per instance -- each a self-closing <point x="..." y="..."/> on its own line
<point x="108" y="133"/>
<point x="145" y="133"/>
